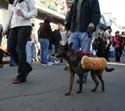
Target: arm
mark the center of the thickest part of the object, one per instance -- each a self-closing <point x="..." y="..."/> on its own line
<point x="95" y="8"/>
<point x="9" y="14"/>
<point x="95" y="17"/>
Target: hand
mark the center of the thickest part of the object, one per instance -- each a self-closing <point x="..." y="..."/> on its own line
<point x="91" y="28"/>
<point x="20" y="12"/>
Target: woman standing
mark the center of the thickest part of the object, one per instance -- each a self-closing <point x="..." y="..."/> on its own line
<point x="20" y="13"/>
<point x="45" y="34"/>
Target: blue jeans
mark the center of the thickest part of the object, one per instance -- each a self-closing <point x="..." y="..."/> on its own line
<point x="29" y="47"/>
<point x="12" y="61"/>
<point x="80" y="40"/>
<point x="44" y="43"/>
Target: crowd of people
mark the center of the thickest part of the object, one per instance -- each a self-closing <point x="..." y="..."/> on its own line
<point x="26" y="44"/>
<point x="107" y="45"/>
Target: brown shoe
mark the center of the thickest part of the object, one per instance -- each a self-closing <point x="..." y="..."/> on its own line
<point x="16" y="81"/>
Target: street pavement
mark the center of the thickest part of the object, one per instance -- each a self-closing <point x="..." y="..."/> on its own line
<point x="46" y="86"/>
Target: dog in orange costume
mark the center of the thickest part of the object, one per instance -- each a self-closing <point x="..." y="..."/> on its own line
<point x="80" y="64"/>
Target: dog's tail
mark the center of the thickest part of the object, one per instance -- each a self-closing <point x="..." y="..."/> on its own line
<point x="107" y="69"/>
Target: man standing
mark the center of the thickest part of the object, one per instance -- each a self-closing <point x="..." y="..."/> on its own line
<point x="81" y="21"/>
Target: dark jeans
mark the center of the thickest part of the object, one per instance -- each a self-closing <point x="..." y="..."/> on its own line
<point x="17" y="40"/>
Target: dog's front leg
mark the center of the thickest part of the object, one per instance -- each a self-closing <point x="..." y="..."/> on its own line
<point x="71" y="83"/>
<point x="80" y="84"/>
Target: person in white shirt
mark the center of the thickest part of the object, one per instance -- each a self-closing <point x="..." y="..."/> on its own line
<point x="18" y="20"/>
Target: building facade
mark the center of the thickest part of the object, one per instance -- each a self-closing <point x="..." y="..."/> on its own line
<point x="55" y="9"/>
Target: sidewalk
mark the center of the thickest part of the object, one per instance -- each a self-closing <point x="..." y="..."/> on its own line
<point x="112" y="59"/>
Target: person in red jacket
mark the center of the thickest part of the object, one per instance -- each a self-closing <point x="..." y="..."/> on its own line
<point x="118" y="49"/>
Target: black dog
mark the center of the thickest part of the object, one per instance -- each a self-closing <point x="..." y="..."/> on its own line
<point x="74" y="60"/>
<point x="1" y="58"/>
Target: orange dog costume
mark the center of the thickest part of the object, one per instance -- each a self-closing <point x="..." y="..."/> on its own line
<point x="93" y="63"/>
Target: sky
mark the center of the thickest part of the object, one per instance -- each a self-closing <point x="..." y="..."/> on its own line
<point x="116" y="8"/>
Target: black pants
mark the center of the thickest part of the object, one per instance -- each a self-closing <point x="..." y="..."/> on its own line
<point x="118" y="53"/>
<point x="17" y="40"/>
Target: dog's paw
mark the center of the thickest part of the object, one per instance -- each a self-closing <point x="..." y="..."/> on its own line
<point x="67" y="94"/>
<point x="78" y="92"/>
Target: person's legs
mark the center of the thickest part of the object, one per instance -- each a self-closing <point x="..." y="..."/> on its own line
<point x="24" y="68"/>
<point x="29" y="52"/>
<point x="1" y="58"/>
<point x="40" y="41"/>
<point x="85" y="46"/>
<point x="44" y="50"/>
<point x="85" y="42"/>
<point x="116" y="55"/>
<point x="75" y="40"/>
<point x="11" y="44"/>
<point x="12" y="62"/>
<point x="35" y="52"/>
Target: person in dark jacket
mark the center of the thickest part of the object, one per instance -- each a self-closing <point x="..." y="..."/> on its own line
<point x="44" y="33"/>
<point x="81" y="21"/>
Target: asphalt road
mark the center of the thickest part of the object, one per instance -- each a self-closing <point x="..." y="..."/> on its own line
<point x="46" y="86"/>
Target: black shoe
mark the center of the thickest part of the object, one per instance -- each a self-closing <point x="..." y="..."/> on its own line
<point x="12" y="65"/>
<point x="16" y="81"/>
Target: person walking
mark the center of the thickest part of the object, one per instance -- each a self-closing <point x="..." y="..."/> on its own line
<point x="20" y="13"/>
<point x="82" y="21"/>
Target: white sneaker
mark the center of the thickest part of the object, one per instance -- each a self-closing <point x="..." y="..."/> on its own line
<point x="44" y="65"/>
<point x="57" y="62"/>
<point x="50" y="63"/>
